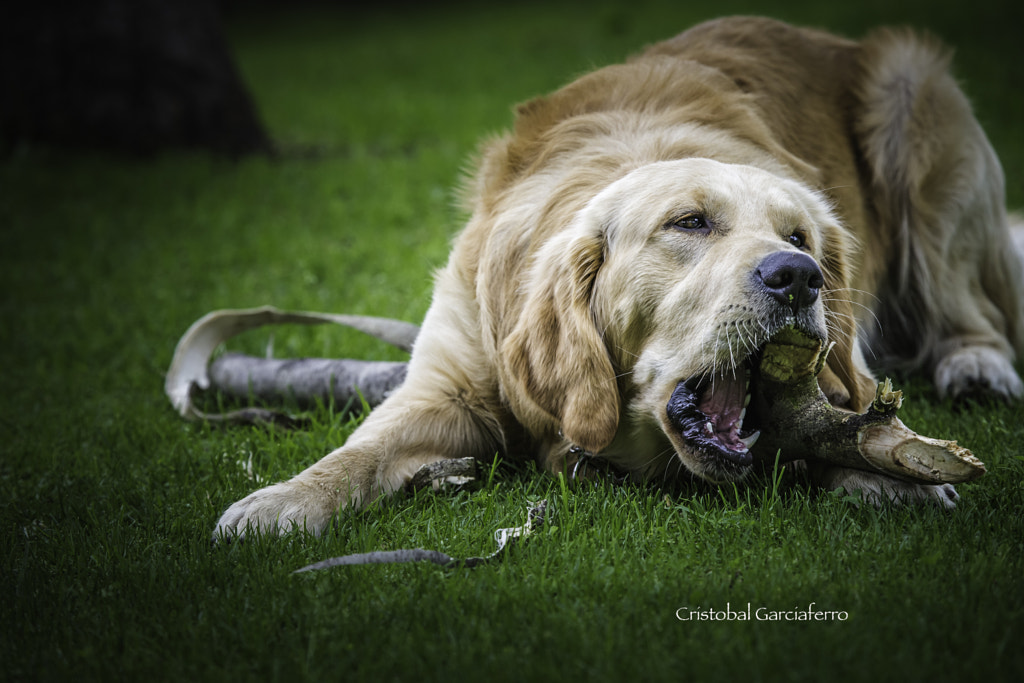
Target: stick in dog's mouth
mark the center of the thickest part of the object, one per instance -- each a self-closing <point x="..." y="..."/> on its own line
<point x="788" y="413"/>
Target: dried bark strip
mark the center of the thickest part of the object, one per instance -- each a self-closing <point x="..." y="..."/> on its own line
<point x="457" y="471"/>
<point x="535" y="517"/>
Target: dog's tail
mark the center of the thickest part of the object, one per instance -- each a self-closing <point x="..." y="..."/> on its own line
<point x="939" y="196"/>
<point x="1016" y="221"/>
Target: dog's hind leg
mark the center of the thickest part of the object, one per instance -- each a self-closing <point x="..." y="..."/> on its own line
<point x="952" y="299"/>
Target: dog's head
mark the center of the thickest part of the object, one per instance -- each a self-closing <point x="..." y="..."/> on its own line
<point x="662" y="291"/>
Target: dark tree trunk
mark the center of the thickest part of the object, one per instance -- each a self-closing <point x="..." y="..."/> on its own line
<point x="135" y="76"/>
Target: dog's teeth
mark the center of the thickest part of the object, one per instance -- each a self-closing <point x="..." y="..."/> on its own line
<point x="749" y="441"/>
<point x="739" y="422"/>
<point x="746" y="400"/>
<point x="709" y="428"/>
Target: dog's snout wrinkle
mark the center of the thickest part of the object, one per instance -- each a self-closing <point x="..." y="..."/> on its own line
<point x="793" y="279"/>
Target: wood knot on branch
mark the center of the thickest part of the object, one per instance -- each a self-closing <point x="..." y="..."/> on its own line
<point x="887" y="399"/>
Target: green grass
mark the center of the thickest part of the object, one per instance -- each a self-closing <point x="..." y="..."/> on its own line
<point x="107" y="498"/>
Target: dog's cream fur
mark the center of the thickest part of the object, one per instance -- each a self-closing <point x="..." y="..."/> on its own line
<point x="582" y="291"/>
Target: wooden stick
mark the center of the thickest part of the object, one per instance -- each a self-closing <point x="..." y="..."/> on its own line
<point x="797" y="419"/>
<point x="306" y="379"/>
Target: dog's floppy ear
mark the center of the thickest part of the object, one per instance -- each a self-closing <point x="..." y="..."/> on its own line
<point x="845" y="379"/>
<point x="555" y="364"/>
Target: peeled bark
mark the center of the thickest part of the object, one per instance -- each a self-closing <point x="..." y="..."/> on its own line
<point x="798" y="420"/>
<point x="505" y="538"/>
<point x="456" y="472"/>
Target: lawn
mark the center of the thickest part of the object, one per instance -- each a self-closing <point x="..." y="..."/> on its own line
<point x="108" y="498"/>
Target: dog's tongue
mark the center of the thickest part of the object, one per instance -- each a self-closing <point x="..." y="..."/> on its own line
<point x="709" y="415"/>
<point x="723" y="403"/>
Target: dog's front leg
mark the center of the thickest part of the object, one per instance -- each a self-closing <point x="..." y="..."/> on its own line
<point x="307" y="501"/>
<point x="421" y="423"/>
<point x="878" y="489"/>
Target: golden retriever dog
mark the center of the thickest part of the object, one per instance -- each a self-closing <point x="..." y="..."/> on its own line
<point x="642" y="232"/>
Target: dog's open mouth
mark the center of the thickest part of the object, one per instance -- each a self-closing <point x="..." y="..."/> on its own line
<point x="709" y="413"/>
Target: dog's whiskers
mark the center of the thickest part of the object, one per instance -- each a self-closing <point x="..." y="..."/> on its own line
<point x="732" y="359"/>
<point x="863" y="292"/>
<point x="627" y="352"/>
<point x="733" y="341"/>
<point x="830" y="296"/>
<point x="670" y="458"/>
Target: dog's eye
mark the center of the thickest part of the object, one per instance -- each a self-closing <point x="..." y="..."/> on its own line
<point x="691" y="222"/>
<point x="798" y="239"/>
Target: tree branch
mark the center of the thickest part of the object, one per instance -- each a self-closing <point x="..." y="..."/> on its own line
<point x="306" y="379"/>
<point x="799" y="421"/>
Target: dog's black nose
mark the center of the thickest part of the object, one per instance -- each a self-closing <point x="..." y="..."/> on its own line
<point x="791" y="278"/>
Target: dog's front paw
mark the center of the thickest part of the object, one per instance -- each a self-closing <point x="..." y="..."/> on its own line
<point x="878" y="489"/>
<point x="277" y="509"/>
<point x="943" y="495"/>
<point x="977" y="372"/>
